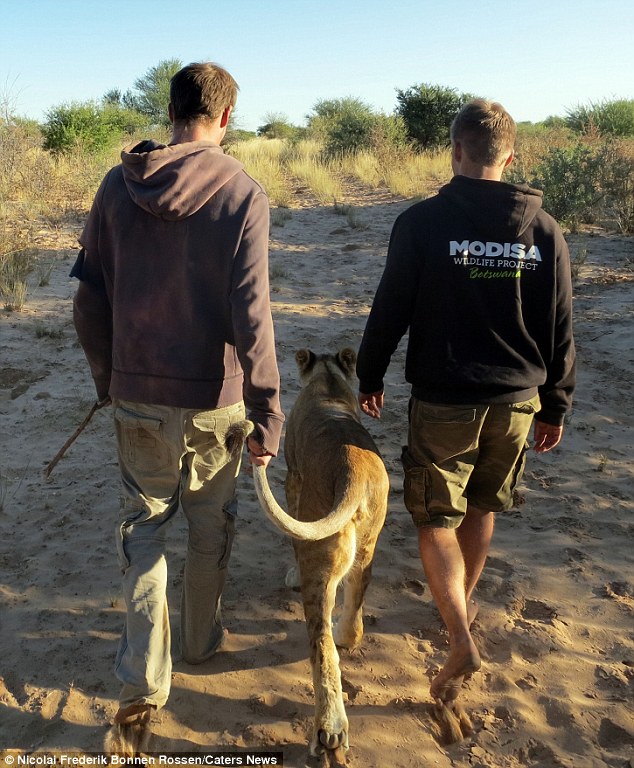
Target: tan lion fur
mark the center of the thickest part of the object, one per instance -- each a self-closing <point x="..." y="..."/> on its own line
<point x="333" y="464"/>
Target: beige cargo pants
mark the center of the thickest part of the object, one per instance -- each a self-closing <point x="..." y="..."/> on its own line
<point x="170" y="459"/>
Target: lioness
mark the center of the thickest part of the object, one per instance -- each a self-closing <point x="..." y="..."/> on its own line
<point x="336" y="488"/>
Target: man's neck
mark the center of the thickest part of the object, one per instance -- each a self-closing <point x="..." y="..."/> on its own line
<point x="182" y="133"/>
<point x="474" y="171"/>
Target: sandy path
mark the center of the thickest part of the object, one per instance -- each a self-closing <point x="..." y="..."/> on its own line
<point x="556" y="626"/>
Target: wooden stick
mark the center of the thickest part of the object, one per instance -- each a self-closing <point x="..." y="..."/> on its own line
<point x="99" y="404"/>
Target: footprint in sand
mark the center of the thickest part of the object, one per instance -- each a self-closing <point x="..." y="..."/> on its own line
<point x="496" y="581"/>
<point x="559" y="717"/>
<point x="415" y="586"/>
<point x="535" y="610"/>
<point x="614" y="736"/>
<point x="621" y="592"/>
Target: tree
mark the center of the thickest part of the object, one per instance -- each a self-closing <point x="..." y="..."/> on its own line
<point x="428" y="111"/>
<point x="153" y="91"/>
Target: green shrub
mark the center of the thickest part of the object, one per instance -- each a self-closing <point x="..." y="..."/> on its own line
<point x="428" y="111"/>
<point x="616" y="179"/>
<point x="93" y="126"/>
<point x="569" y="178"/>
<point x="344" y="125"/>
<point x="532" y="143"/>
<point x="277" y="126"/>
<point x="589" y="182"/>
<point x="607" y="118"/>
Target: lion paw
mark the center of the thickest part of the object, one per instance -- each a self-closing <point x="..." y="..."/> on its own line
<point x="327" y="741"/>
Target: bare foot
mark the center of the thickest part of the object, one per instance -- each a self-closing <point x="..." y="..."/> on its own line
<point x="462" y="662"/>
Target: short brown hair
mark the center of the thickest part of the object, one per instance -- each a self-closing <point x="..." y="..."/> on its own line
<point x="201" y="91"/>
<point x="485" y="130"/>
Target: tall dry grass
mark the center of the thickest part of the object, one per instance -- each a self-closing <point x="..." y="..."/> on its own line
<point x="402" y="172"/>
<point x="262" y="159"/>
<point x="37" y="187"/>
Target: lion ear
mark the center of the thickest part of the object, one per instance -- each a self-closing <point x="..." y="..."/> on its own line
<point x="305" y="360"/>
<point x="347" y="360"/>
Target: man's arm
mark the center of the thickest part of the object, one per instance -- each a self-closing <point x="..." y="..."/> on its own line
<point x="556" y="393"/>
<point x="254" y="335"/>
<point x="92" y="310"/>
<point x="92" y="317"/>
<point x="390" y="315"/>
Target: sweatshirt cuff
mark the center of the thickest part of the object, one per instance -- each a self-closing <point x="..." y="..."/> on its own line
<point x="103" y="387"/>
<point x="370" y="387"/>
<point x="556" y="418"/>
<point x="269" y="433"/>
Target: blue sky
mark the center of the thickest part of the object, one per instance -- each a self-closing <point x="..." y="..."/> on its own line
<point x="537" y="57"/>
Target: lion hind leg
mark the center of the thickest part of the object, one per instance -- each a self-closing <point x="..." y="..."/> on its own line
<point x="330" y="729"/>
<point x="348" y="631"/>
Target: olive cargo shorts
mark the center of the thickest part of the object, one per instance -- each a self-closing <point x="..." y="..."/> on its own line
<point x="463" y="454"/>
<point x="171" y="458"/>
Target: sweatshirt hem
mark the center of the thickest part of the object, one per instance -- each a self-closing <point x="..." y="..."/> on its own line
<point x="446" y="397"/>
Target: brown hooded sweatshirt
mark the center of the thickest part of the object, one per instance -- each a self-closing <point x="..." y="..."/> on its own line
<point x="173" y="305"/>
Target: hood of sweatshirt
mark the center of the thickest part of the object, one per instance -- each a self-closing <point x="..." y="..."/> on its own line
<point x="494" y="206"/>
<point x="173" y="182"/>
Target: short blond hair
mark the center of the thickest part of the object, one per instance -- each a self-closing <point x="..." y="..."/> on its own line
<point x="485" y="130"/>
<point x="201" y="91"/>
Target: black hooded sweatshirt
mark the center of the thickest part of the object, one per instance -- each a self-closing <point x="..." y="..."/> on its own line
<point x="480" y="275"/>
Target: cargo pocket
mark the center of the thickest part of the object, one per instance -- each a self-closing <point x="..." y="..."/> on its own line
<point x="442" y="432"/>
<point x="416" y="488"/>
<point x="141" y="440"/>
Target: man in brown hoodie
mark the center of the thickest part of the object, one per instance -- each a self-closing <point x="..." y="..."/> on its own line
<point x="173" y="314"/>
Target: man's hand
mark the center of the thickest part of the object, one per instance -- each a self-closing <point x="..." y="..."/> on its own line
<point x="546" y="436"/>
<point x="372" y="404"/>
<point x="257" y="455"/>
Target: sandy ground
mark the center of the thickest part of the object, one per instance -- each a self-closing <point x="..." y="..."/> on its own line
<point x="556" y="625"/>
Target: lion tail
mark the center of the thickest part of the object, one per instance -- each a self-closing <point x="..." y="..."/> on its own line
<point x="299" y="529"/>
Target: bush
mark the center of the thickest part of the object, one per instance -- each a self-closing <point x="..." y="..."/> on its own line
<point x="388" y="133"/>
<point x="428" y="111"/>
<point x="586" y="183"/>
<point x="569" y="178"/>
<point x="616" y="179"/>
<point x="346" y="125"/>
<point x="93" y="126"/>
<point x="607" y="118"/>
<point x="277" y="126"/>
<point x="533" y="141"/>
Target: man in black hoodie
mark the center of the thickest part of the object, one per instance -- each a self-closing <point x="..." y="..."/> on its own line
<point x="480" y="276"/>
